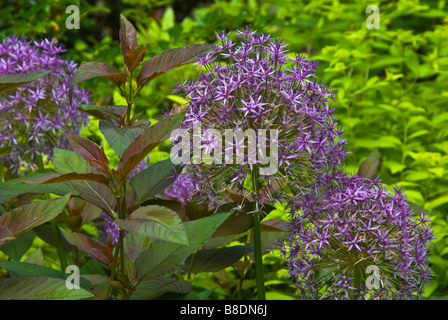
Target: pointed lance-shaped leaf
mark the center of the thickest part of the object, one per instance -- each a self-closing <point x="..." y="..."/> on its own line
<point x="66" y="161"/>
<point x="11" y="81"/>
<point x="128" y="36"/>
<point x="5" y="235"/>
<point x="111" y="113"/>
<point x="134" y="57"/>
<point x="72" y="176"/>
<point x="146" y="141"/>
<point x="118" y="137"/>
<point x="89" y="151"/>
<point x="368" y="167"/>
<point x="98" y="251"/>
<point x="169" y="60"/>
<point x="24" y="218"/>
<point x="95" y="69"/>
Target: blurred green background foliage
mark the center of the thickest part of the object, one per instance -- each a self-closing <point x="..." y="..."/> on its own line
<point x="391" y="84"/>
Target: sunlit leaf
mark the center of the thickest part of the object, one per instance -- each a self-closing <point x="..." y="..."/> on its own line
<point x="155" y="222"/>
<point x="169" y="60"/>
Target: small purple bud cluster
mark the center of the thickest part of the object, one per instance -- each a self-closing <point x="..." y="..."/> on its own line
<point x="36" y="116"/>
<point x="106" y="226"/>
<point x="182" y="189"/>
<point x="347" y="228"/>
<point x="256" y="84"/>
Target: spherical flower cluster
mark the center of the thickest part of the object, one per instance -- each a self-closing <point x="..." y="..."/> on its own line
<point x="36" y="116"/>
<point x="256" y="86"/>
<point x="354" y="238"/>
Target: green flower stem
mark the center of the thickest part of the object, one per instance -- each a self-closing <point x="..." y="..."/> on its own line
<point x="113" y="270"/>
<point x="258" y="253"/>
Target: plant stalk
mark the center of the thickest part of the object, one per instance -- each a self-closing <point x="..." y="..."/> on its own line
<point x="258" y="253"/>
<point x="59" y="247"/>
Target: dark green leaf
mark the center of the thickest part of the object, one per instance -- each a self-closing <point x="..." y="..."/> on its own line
<point x="153" y="288"/>
<point x="16" y="248"/>
<point x="154" y="179"/>
<point x="114" y="113"/>
<point x="22" y="268"/>
<point x="213" y="260"/>
<point x="120" y="138"/>
<point x="14" y="188"/>
<point x="4" y="151"/>
<point x="162" y="256"/>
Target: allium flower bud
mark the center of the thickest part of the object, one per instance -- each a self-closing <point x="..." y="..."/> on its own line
<point x="35" y="117"/>
<point x="354" y="238"/>
<point x="182" y="189"/>
<point x="257" y="106"/>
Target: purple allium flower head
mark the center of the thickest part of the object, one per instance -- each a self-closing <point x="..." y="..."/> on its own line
<point x="255" y="85"/>
<point x="352" y="237"/>
<point x="36" y="116"/>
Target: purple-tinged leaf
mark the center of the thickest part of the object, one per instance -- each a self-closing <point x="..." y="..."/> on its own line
<point x="274" y="225"/>
<point x="128" y="36"/>
<point x="134" y="57"/>
<point x="79" y="176"/>
<point x="66" y="161"/>
<point x="89" y="151"/>
<point x="5" y="235"/>
<point x="94" y="69"/>
<point x="146" y="141"/>
<point x="98" y="251"/>
<point x="22" y="219"/>
<point x="114" y="113"/>
<point x="169" y="60"/>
